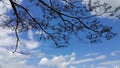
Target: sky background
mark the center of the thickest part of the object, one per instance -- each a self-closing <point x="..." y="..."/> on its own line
<point x="33" y="53"/>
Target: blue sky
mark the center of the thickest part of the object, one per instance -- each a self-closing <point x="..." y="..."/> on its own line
<point x="33" y="53"/>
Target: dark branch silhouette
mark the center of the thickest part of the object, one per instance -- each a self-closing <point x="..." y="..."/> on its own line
<point x="61" y="19"/>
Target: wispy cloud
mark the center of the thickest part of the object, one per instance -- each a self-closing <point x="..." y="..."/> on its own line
<point x="91" y="59"/>
<point x="114" y="62"/>
<point x="30" y="35"/>
<point x="101" y="67"/>
<point x="115" y="53"/>
<point x="111" y="64"/>
<point x="92" y="54"/>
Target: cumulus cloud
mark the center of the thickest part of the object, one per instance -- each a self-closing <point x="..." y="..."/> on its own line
<point x="67" y="60"/>
<point x="59" y="61"/>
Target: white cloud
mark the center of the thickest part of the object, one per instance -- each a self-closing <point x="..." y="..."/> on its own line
<point x="5" y="6"/>
<point x="101" y="67"/>
<point x="111" y="62"/>
<point x="16" y="60"/>
<point x="67" y="60"/>
<point x="5" y="38"/>
<point x="91" y="59"/>
<point x="113" y="3"/>
<point x="116" y="66"/>
<point x="72" y="66"/>
<point x="36" y="54"/>
<point x="84" y="66"/>
<point x="58" y="61"/>
<point x="92" y="54"/>
<point x="92" y="66"/>
<point x="100" y="10"/>
<point x="31" y="44"/>
<point x="8" y="39"/>
<point x="30" y="35"/>
<point x="115" y="53"/>
<point x="10" y="60"/>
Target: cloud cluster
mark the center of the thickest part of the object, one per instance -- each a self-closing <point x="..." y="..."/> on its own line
<point x="66" y="61"/>
<point x="59" y="61"/>
<point x="16" y="60"/>
<point x="69" y="61"/>
<point x="10" y="60"/>
<point x="7" y="38"/>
